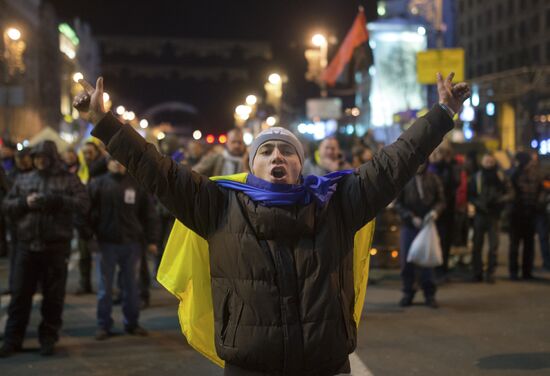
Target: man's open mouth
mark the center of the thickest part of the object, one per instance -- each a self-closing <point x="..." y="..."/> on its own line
<point x="278" y="172"/>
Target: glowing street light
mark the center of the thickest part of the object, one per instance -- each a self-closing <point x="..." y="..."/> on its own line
<point x="319" y="40"/>
<point x="197" y="135"/>
<point x="243" y="111"/>
<point x="77" y="77"/>
<point x="120" y="110"/>
<point x="271" y="121"/>
<point x="248" y="138"/>
<point x="143" y="123"/>
<point x="106" y="97"/>
<point x="251" y="100"/>
<point x="275" y="79"/>
<point x="13" y="33"/>
<point x="129" y="115"/>
<point x="161" y="136"/>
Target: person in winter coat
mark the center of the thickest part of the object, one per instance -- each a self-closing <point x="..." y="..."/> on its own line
<point x="42" y="204"/>
<point x="328" y="159"/>
<point x="488" y="192"/>
<point x="422" y="200"/>
<point x="230" y="161"/>
<point x="443" y="165"/>
<point x="281" y="247"/>
<point x="528" y="200"/>
<point x="23" y="165"/>
<point x="123" y="218"/>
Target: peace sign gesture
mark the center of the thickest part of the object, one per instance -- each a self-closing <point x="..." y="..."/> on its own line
<point x="452" y="95"/>
<point x="89" y="102"/>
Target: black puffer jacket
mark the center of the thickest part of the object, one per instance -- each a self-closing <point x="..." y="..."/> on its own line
<point x="282" y="277"/>
<point x="61" y="196"/>
<point x="122" y="212"/>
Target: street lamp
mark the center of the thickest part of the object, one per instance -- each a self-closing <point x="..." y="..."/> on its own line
<point x="274" y="90"/>
<point x="13" y="33"/>
<point x="14" y="64"/>
<point x="319" y="40"/>
<point x="271" y="121"/>
<point x="120" y="110"/>
<point x="77" y="77"/>
<point x="251" y="100"/>
<point x="275" y="79"/>
<point x="143" y="123"/>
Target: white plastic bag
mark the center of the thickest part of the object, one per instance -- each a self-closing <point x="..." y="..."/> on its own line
<point x="425" y="249"/>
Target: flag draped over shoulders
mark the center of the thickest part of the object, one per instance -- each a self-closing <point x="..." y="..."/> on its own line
<point x="185" y="267"/>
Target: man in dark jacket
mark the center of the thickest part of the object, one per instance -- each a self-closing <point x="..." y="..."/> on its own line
<point x="123" y="217"/>
<point x="23" y="165"/>
<point x="230" y="161"/>
<point x="488" y="192"/>
<point x="281" y="271"/>
<point x="442" y="164"/>
<point x="42" y="203"/>
<point x="528" y="200"/>
<point x="422" y="200"/>
<point x="97" y="166"/>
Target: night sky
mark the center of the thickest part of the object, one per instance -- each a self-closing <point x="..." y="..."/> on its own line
<point x="286" y="25"/>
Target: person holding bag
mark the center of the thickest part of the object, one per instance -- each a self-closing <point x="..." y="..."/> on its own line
<point x="422" y="200"/>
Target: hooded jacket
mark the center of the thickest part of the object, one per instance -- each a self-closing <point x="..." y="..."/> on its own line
<point x="282" y="276"/>
<point x="61" y="195"/>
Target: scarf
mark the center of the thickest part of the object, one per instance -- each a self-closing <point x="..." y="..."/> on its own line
<point x="313" y="188"/>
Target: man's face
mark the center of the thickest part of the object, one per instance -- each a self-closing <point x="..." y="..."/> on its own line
<point x="90" y="153"/>
<point x="235" y="144"/>
<point x="366" y="156"/>
<point x="116" y="168"/>
<point x="277" y="162"/>
<point x="41" y="162"/>
<point x="69" y="157"/>
<point x="6" y="152"/>
<point x="488" y="162"/>
<point x="23" y="162"/>
<point x="195" y="149"/>
<point x="329" y="149"/>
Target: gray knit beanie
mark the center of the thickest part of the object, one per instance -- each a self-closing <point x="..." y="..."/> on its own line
<point x="272" y="134"/>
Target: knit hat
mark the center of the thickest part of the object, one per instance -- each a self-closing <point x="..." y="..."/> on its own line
<point x="275" y="134"/>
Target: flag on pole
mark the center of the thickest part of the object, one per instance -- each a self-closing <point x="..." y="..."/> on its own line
<point x="357" y="35"/>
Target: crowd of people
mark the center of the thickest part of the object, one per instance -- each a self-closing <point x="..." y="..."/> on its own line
<point x="86" y="199"/>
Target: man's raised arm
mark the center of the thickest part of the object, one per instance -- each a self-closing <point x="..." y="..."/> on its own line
<point x="380" y="180"/>
<point x="191" y="198"/>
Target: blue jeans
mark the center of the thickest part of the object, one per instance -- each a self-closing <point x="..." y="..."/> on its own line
<point x="127" y="257"/>
<point x="408" y="270"/>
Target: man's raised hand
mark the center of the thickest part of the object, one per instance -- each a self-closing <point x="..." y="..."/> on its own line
<point x="89" y="102"/>
<point x="452" y="95"/>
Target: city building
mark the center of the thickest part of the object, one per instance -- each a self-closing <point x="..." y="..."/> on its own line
<point x="507" y="45"/>
<point x="38" y="59"/>
<point x="29" y="91"/>
<point x="187" y="73"/>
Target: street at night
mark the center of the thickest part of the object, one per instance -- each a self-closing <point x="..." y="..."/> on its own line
<point x="479" y="330"/>
<point x="275" y="188"/>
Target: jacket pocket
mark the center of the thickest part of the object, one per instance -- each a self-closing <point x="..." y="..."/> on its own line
<point x="231" y="316"/>
<point x="349" y="323"/>
<point x="235" y="312"/>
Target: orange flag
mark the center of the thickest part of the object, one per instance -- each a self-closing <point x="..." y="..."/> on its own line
<point x="356" y="36"/>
